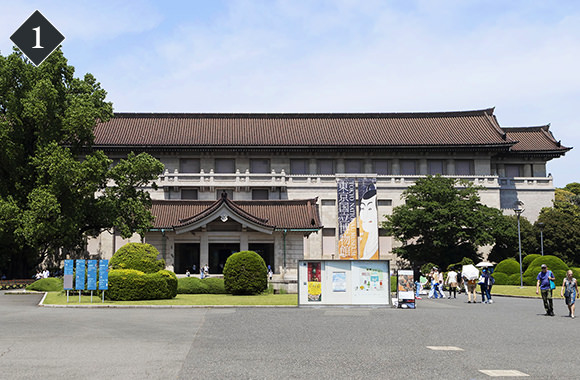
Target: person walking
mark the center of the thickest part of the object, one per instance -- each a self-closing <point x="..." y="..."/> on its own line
<point x="471" y="290"/>
<point x="451" y="282"/>
<point x="482" y="286"/>
<point x="569" y="291"/>
<point x="488" y="282"/>
<point x="543" y="284"/>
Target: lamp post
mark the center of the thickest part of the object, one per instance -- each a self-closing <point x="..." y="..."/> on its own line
<point x="541" y="226"/>
<point x="518" y="210"/>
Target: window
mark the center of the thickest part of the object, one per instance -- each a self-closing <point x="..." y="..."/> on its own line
<point x="435" y="167"/>
<point x="189" y="165"/>
<point x="513" y="170"/>
<point x="408" y="167"/>
<point x="260" y="194"/>
<point x="353" y="166"/>
<point x="385" y="202"/>
<point x="382" y="167"/>
<point x="325" y="166"/>
<point x="464" y="167"/>
<point x="259" y="165"/>
<point x="299" y="166"/>
<point x="229" y="192"/>
<point x="188" y="193"/>
<point x="328" y="202"/>
<point x="225" y="165"/>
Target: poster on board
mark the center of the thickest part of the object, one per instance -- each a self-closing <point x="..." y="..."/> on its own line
<point x="405" y="289"/>
<point x="314" y="283"/>
<point x="68" y="274"/>
<point x="339" y="281"/>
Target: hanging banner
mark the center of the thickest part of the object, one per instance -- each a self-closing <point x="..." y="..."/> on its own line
<point x="347" y="236"/>
<point x="80" y="277"/>
<point x="92" y="275"/>
<point x="68" y="274"/>
<point x="314" y="284"/>
<point x="368" y="219"/>
<point x="103" y="274"/>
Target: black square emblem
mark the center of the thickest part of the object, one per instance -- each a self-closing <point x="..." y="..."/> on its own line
<point x="37" y="38"/>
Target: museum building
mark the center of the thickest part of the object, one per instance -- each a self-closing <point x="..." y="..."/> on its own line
<point x="268" y="182"/>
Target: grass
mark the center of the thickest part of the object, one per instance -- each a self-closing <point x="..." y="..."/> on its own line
<point x="59" y="298"/>
<point x="527" y="291"/>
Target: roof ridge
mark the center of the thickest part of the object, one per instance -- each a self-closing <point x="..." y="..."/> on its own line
<point x="322" y="115"/>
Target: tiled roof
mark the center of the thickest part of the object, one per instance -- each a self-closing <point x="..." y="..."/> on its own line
<point x="435" y="129"/>
<point x="534" y="139"/>
<point x="277" y="214"/>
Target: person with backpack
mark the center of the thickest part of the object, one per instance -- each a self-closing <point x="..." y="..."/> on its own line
<point x="546" y="284"/>
<point x="488" y="282"/>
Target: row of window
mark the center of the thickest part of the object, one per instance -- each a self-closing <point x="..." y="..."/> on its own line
<point x="328" y="166"/>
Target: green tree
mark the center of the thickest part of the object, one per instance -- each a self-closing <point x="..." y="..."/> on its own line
<point x="573" y="187"/>
<point x="442" y="221"/>
<point x="53" y="186"/>
<point x="562" y="231"/>
<point x="505" y="233"/>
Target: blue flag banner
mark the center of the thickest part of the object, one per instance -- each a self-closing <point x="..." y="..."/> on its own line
<point x="92" y="275"/>
<point x="68" y="274"/>
<point x="80" y="278"/>
<point x="103" y="274"/>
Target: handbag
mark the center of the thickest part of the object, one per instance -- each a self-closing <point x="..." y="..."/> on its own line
<point x="552" y="285"/>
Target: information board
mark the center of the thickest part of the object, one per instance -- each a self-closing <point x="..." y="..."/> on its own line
<point x="92" y="275"/>
<point x="80" y="277"/>
<point x="405" y="289"/>
<point x="103" y="274"/>
<point x="68" y="274"/>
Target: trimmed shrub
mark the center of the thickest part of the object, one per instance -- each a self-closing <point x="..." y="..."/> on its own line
<point x="500" y="278"/>
<point x="555" y="264"/>
<point x="527" y="260"/>
<point x="131" y="285"/>
<point x="394" y="284"/>
<point x="514" y="279"/>
<point x="171" y="280"/>
<point x="576" y="272"/>
<point x="138" y="256"/>
<point x="192" y="285"/>
<point x="51" y="284"/>
<point x="215" y="285"/>
<point x="508" y="266"/>
<point x="245" y="273"/>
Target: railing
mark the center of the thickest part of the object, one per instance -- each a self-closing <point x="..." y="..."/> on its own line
<point x="282" y="179"/>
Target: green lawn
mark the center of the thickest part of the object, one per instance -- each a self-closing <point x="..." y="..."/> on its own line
<point x="58" y="298"/>
<point x="529" y="291"/>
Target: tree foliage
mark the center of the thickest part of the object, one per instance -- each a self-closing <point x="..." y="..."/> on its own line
<point x="505" y="234"/>
<point x="442" y="221"/>
<point x="53" y="186"/>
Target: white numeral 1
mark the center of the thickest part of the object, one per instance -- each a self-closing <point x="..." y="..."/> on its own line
<point x="37" y="46"/>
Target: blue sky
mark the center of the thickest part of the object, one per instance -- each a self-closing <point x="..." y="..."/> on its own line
<point x="329" y="56"/>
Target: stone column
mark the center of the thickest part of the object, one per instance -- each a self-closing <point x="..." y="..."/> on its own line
<point x="203" y="249"/>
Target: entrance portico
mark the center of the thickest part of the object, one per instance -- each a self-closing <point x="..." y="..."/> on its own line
<point x="189" y="233"/>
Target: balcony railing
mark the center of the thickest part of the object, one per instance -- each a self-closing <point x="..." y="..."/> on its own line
<point x="284" y="180"/>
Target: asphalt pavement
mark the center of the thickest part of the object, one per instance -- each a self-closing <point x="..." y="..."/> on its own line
<point x="444" y="339"/>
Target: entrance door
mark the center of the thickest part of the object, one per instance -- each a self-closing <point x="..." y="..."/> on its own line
<point x="265" y="250"/>
<point x="219" y="253"/>
<point x="186" y="256"/>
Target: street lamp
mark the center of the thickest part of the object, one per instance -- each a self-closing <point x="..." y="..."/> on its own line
<point x="518" y="210"/>
<point x="541" y="226"/>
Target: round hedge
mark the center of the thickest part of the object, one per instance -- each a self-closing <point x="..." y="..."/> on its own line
<point x="245" y="273"/>
<point x="194" y="285"/>
<point x="171" y="280"/>
<point x="132" y="285"/>
<point x="51" y="284"/>
<point x="555" y="264"/>
<point x="508" y="266"/>
<point x="576" y="273"/>
<point x="500" y="278"/>
<point x="138" y="256"/>
<point x="527" y="260"/>
<point x="514" y="279"/>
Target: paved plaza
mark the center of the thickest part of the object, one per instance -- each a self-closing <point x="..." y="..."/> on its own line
<point x="297" y="343"/>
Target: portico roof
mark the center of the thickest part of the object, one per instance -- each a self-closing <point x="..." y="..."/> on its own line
<point x="265" y="216"/>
